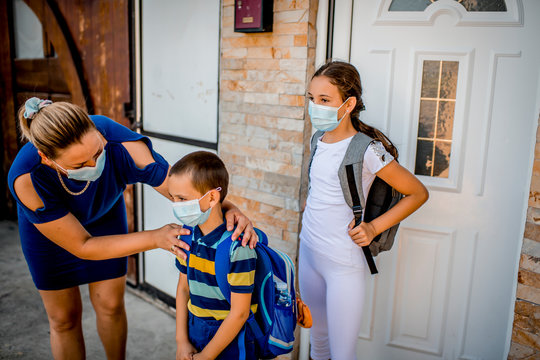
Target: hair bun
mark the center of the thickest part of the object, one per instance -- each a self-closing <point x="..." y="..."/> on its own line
<point x="33" y="105"/>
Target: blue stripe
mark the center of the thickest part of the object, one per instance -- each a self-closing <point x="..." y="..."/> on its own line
<point x="205" y="290"/>
<point x="279" y="345"/>
<point x="243" y="266"/>
<point x="242" y="345"/>
<point x="263" y="305"/>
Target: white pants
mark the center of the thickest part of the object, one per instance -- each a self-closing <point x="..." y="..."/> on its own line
<point x="334" y="293"/>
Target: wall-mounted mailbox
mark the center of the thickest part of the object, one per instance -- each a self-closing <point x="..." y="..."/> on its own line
<point x="253" y="15"/>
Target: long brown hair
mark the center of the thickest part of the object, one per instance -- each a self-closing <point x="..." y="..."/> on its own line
<point x="347" y="79"/>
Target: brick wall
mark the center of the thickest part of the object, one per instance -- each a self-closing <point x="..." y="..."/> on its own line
<point x="262" y="129"/>
<point x="526" y="329"/>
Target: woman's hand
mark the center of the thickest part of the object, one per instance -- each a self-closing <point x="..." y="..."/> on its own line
<point x="363" y="234"/>
<point x="185" y="351"/>
<point x="243" y="225"/>
<point x="166" y="238"/>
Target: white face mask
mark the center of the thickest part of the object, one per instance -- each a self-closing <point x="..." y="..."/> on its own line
<point x="87" y="173"/>
<point x="189" y="212"/>
<point x="325" y="118"/>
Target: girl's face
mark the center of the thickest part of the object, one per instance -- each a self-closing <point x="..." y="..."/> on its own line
<point x="322" y="92"/>
<point x="80" y="154"/>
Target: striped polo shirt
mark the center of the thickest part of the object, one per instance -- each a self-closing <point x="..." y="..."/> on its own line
<point x="206" y="299"/>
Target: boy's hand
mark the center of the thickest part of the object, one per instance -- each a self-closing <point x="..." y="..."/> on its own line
<point x="243" y="225"/>
<point x="199" y="356"/>
<point x="363" y="234"/>
<point x="185" y="351"/>
<point x="166" y="238"/>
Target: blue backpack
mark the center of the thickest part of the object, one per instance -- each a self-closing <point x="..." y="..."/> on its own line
<point x="275" y="320"/>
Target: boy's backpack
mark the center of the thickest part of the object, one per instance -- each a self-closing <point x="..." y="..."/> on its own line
<point x="274" y="322"/>
<point x="381" y="196"/>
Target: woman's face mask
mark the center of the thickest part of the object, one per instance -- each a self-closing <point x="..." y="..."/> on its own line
<point x="87" y="173"/>
<point x="189" y="212"/>
<point x="325" y="118"/>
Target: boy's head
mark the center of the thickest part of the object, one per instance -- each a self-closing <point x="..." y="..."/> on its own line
<point x="195" y="175"/>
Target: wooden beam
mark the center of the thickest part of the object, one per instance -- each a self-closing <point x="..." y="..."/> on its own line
<point x="70" y="61"/>
<point x="7" y="109"/>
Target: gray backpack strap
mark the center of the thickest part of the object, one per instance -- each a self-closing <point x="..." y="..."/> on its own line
<point x="314" y="140"/>
<point x="354" y="156"/>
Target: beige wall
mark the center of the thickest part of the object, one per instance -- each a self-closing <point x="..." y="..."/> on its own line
<point x="262" y="130"/>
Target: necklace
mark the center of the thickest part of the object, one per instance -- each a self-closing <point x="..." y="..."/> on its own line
<point x="69" y="191"/>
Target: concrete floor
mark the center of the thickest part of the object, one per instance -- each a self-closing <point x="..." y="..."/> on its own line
<point x="24" y="330"/>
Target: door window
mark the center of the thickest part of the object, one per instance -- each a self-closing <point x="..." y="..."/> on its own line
<point x="436" y="117"/>
<point x="469" y="5"/>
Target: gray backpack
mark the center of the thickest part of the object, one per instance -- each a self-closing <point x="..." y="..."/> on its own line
<point x="381" y="196"/>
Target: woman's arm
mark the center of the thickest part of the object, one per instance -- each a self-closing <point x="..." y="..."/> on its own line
<point x="415" y="194"/>
<point x="140" y="153"/>
<point x="229" y="328"/>
<point x="184" y="348"/>
<point x="68" y="233"/>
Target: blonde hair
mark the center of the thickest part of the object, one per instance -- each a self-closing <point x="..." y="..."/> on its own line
<point x="55" y="127"/>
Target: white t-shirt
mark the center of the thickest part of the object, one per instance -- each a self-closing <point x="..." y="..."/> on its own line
<point x="327" y="215"/>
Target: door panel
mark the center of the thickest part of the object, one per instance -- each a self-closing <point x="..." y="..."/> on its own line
<point x="180" y="64"/>
<point x="447" y="288"/>
<point x="160" y="271"/>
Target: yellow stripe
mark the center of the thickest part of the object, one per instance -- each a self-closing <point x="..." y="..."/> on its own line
<point x="203" y="265"/>
<point x="216" y="314"/>
<point x="181" y="261"/>
<point x="241" y="279"/>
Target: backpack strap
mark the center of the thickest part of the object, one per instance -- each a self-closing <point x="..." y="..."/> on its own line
<point x="314" y="140"/>
<point x="222" y="266"/>
<point x="358" y="211"/>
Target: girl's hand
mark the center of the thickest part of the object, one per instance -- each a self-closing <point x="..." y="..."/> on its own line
<point x="363" y="234"/>
<point x="166" y="238"/>
<point x="243" y="225"/>
<point x="185" y="351"/>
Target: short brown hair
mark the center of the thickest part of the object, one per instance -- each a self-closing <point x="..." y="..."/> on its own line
<point x="207" y="172"/>
<point x="55" y="127"/>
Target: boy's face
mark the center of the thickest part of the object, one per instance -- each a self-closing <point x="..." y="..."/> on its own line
<point x="181" y="189"/>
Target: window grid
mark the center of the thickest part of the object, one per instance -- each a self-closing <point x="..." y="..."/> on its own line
<point x="438" y="100"/>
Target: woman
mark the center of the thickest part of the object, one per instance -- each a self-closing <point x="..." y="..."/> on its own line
<point x="68" y="182"/>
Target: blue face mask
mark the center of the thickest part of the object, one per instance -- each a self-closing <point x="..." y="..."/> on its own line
<point x="87" y="173"/>
<point x="189" y="212"/>
<point x="324" y="118"/>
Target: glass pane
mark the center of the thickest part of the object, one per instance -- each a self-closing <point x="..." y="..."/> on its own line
<point x="445" y="120"/>
<point x="436" y="117"/>
<point x="484" y="5"/>
<point x="428" y="113"/>
<point x="28" y="32"/>
<point x="424" y="156"/>
<point x="409" y="5"/>
<point x="449" y="79"/>
<point x="430" y="79"/>
<point x="441" y="164"/>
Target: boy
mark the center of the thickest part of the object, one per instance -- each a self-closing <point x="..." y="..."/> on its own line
<point x="207" y="327"/>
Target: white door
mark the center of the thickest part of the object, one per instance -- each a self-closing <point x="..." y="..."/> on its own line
<point x="180" y="73"/>
<point x="455" y="84"/>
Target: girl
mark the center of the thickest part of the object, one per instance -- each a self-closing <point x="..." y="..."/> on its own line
<point x="331" y="261"/>
<point x="68" y="182"/>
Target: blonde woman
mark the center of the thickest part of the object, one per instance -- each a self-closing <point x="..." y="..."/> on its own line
<point x="68" y="182"/>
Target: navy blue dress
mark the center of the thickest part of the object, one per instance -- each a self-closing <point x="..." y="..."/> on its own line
<point x="100" y="209"/>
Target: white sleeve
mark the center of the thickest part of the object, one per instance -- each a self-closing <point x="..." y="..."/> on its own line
<point x="376" y="157"/>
